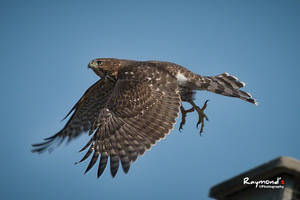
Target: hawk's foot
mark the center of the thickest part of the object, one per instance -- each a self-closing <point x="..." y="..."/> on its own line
<point x="201" y="114"/>
<point x="183" y="116"/>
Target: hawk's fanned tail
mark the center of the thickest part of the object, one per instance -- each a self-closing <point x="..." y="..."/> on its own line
<point x="225" y="84"/>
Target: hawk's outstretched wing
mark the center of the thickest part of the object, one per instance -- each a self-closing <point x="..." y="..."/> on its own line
<point x="85" y="112"/>
<point x="141" y="110"/>
<point x="126" y="117"/>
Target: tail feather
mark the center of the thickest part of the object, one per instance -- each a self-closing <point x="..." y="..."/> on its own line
<point x="229" y="80"/>
<point x="227" y="85"/>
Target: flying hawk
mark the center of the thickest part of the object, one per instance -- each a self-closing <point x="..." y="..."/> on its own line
<point x="134" y="105"/>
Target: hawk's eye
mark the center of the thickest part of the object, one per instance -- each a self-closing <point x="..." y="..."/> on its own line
<point x="99" y="62"/>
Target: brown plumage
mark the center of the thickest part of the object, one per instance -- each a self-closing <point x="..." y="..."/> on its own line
<point x="134" y="105"/>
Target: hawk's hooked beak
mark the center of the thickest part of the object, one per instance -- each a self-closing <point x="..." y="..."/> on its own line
<point x="92" y="65"/>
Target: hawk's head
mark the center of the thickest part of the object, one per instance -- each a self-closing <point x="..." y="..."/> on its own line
<point x="106" y="66"/>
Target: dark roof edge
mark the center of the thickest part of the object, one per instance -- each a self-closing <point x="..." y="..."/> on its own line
<point x="272" y="168"/>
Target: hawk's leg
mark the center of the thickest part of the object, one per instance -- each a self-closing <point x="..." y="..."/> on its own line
<point x="201" y="114"/>
<point x="183" y="115"/>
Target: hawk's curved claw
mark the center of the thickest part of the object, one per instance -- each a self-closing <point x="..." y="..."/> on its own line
<point x="201" y="115"/>
<point x="183" y="116"/>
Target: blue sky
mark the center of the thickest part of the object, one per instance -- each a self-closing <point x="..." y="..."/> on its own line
<point x="46" y="46"/>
